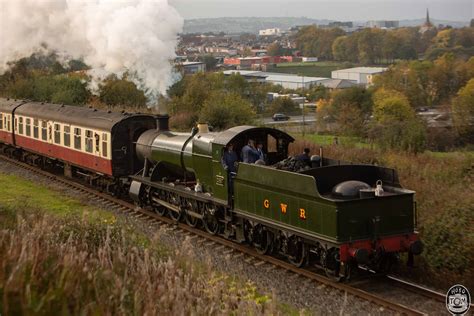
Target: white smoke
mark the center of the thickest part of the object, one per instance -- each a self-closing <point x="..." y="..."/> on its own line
<point x="111" y="36"/>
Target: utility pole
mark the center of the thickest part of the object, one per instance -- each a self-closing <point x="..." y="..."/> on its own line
<point x="304" y="123"/>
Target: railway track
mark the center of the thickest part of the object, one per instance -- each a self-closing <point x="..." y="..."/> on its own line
<point x="130" y="209"/>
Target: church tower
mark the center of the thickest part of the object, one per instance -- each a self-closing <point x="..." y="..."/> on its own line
<point x="428" y="22"/>
<point x="427" y="25"/>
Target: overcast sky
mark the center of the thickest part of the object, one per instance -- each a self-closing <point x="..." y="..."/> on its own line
<point x="346" y="10"/>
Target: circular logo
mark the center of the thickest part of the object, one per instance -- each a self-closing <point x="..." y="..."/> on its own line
<point x="458" y="300"/>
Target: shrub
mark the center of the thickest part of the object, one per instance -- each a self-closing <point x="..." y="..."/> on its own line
<point x="225" y="110"/>
<point x="116" y="92"/>
<point x="284" y="105"/>
<point x="49" y="88"/>
<point x="70" y="266"/>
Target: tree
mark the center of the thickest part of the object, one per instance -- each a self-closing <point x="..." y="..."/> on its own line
<point x="224" y="110"/>
<point x="370" y="45"/>
<point x="395" y="124"/>
<point x="314" y="41"/>
<point x="463" y="112"/>
<point x="210" y="62"/>
<point x="284" y="105"/>
<point x="275" y="49"/>
<point x="116" y="91"/>
<point x="50" y="88"/>
<point x="391" y="105"/>
<point x="339" y="48"/>
<point x="317" y="92"/>
<point x="351" y="108"/>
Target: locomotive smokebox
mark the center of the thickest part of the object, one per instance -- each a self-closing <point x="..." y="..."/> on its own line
<point x="162" y="122"/>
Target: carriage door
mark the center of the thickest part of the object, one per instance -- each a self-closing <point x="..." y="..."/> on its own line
<point x="50" y="132"/>
<point x="97" y="156"/>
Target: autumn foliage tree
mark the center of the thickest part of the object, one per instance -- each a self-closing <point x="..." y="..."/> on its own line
<point x="224" y="110"/>
<point x="463" y="112"/>
<point x="395" y="124"/>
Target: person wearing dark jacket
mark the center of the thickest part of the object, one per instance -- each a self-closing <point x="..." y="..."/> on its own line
<point x="229" y="162"/>
<point x="249" y="153"/>
<point x="229" y="159"/>
<point x="304" y="157"/>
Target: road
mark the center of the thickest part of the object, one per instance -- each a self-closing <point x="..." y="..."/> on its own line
<point x="293" y="119"/>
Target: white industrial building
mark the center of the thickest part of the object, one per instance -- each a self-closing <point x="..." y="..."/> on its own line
<point x="287" y="81"/>
<point x="270" y="32"/>
<point x="359" y="75"/>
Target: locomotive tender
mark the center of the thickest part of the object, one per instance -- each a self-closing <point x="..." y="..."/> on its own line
<point x="325" y="215"/>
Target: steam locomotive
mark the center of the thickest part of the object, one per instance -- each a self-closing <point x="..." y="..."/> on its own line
<point x="333" y="214"/>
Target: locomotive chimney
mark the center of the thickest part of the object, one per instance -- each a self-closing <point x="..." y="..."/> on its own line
<point x="162" y="122"/>
<point x="203" y="128"/>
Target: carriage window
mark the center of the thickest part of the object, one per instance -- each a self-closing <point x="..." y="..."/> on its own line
<point x="67" y="136"/>
<point x="77" y="138"/>
<point x="104" y="145"/>
<point x="35" y="128"/>
<point x="9" y="123"/>
<point x="16" y="125"/>
<point x="1" y="120"/>
<point x="44" y="130"/>
<point x="20" y="126"/>
<point x="28" y="127"/>
<point x="57" y="133"/>
<point x="89" y="141"/>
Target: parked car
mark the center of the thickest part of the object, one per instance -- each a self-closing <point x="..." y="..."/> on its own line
<point x="280" y="117"/>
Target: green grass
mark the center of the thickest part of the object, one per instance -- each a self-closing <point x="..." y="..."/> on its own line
<point x="316" y="69"/>
<point x="325" y="140"/>
<point x="17" y="191"/>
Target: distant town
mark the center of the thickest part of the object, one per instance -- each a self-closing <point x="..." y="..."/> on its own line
<point x="280" y="55"/>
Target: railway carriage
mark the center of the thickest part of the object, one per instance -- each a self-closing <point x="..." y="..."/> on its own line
<point x="96" y="144"/>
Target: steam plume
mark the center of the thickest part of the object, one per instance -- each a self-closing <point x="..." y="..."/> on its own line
<point x="112" y="36"/>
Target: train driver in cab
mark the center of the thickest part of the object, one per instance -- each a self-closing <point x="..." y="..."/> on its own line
<point x="250" y="154"/>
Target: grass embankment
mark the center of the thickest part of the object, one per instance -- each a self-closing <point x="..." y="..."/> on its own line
<point x="86" y="261"/>
<point x="314" y="69"/>
<point x="445" y="201"/>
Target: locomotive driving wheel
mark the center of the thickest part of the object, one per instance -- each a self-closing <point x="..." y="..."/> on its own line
<point x="192" y="206"/>
<point x="175" y="214"/>
<point x="299" y="252"/>
<point x="262" y="240"/>
<point x="210" y="221"/>
<point x="331" y="263"/>
<point x="157" y="208"/>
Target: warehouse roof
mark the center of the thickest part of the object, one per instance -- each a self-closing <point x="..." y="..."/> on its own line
<point x="363" y="70"/>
